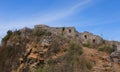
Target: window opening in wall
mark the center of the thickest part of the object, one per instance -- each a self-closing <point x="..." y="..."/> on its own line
<point x="85" y="36"/>
<point x="69" y="30"/>
<point x="93" y="40"/>
<point x="63" y="29"/>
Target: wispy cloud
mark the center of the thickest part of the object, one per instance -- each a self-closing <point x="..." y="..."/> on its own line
<point x="57" y="15"/>
<point x="47" y="17"/>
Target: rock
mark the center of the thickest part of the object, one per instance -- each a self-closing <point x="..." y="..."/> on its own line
<point x="115" y="56"/>
<point x="108" y="69"/>
<point x="107" y="65"/>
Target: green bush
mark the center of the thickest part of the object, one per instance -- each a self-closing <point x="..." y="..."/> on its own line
<point x="76" y="59"/>
<point x="7" y="55"/>
<point x="87" y="44"/>
<point x="38" y="32"/>
<point x="39" y="69"/>
<point x="9" y="34"/>
<point x="75" y="49"/>
<point x="17" y="32"/>
<point x="73" y="61"/>
<point x="89" y="65"/>
<point x="47" y="68"/>
<point x="107" y="48"/>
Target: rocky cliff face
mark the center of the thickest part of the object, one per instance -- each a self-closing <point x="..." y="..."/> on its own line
<point x="56" y="49"/>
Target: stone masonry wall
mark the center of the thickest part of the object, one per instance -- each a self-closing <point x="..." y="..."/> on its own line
<point x="71" y="32"/>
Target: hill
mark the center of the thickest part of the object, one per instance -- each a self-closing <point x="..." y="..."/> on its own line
<point x="57" y="49"/>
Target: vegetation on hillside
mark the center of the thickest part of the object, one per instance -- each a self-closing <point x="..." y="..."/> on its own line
<point x="107" y="48"/>
<point x="53" y="53"/>
<point x="38" y="32"/>
<point x="73" y="61"/>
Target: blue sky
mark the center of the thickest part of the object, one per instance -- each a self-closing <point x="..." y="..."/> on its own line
<point x="101" y="17"/>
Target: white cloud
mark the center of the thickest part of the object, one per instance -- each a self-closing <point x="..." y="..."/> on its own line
<point x="45" y="18"/>
<point x="50" y="16"/>
<point x="63" y="13"/>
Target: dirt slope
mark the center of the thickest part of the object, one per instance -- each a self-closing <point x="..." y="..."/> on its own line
<point x="101" y="61"/>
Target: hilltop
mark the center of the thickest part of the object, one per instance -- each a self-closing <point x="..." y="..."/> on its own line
<point x="57" y="49"/>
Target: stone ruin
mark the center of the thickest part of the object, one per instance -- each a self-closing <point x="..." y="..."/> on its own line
<point x="84" y="38"/>
<point x="87" y="37"/>
<point x="71" y="32"/>
<point x="66" y="31"/>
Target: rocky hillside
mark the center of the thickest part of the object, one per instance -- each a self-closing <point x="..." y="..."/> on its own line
<point x="57" y="49"/>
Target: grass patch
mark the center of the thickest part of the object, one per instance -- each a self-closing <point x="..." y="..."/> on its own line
<point x="40" y="32"/>
<point x="87" y="44"/>
<point x="107" y="48"/>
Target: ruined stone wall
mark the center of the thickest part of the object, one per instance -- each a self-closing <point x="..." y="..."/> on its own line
<point x="84" y="37"/>
<point x="117" y="44"/>
<point x="65" y="31"/>
<point x="26" y="32"/>
<point x="87" y="37"/>
<point x="41" y="26"/>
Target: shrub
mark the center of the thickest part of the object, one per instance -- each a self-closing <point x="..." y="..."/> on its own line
<point x="9" y="33"/>
<point x="7" y="55"/>
<point x="79" y="63"/>
<point x="107" y="48"/>
<point x="75" y="49"/>
<point x="47" y="68"/>
<point x="17" y="32"/>
<point x="89" y="65"/>
<point x="38" y="32"/>
<point x="87" y="44"/>
<point x="73" y="61"/>
<point x="39" y="69"/>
